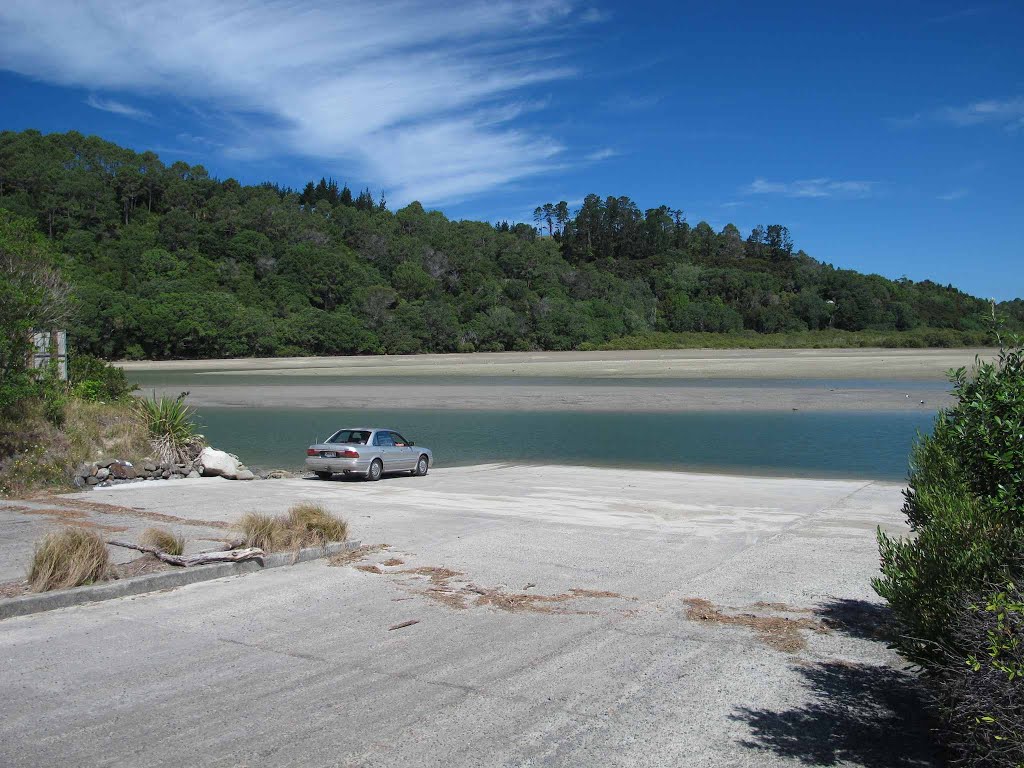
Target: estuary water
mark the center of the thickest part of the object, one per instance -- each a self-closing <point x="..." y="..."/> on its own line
<point x="803" y="443"/>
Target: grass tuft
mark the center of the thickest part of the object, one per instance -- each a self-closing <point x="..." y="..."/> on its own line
<point x="263" y="531"/>
<point x="305" y="525"/>
<point x="163" y="540"/>
<point x="68" y="558"/>
<point x="313" y="526"/>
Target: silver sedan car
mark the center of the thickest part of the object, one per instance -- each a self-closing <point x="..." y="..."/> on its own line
<point x="367" y="451"/>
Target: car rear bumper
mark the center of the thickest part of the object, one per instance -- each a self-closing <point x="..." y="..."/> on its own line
<point x="320" y="464"/>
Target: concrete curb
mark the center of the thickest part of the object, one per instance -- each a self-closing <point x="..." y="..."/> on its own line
<point x="65" y="598"/>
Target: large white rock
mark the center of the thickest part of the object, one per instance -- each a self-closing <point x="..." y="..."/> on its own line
<point x="214" y="463"/>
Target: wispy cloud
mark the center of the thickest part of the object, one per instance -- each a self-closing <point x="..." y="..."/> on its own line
<point x="595" y="15"/>
<point x="422" y="98"/>
<point x="117" y="108"/>
<point x="602" y="154"/>
<point x="963" y="13"/>
<point x="955" y="194"/>
<point x="1006" y="112"/>
<point x="821" y="187"/>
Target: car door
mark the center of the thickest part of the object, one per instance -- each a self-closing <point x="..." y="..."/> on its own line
<point x="405" y="454"/>
<point x="384" y="447"/>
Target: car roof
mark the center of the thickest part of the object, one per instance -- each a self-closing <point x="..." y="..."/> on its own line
<point x="366" y="429"/>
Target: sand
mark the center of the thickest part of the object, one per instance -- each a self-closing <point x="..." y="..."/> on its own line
<point x="640" y="381"/>
<point x="921" y="364"/>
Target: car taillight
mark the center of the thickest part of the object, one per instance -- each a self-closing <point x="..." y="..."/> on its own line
<point x="311" y="451"/>
<point x="348" y="453"/>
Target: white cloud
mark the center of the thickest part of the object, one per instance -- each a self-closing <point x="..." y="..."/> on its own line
<point x="1007" y="112"/>
<point x="423" y="98"/>
<point x="602" y="154"/>
<point x="117" y="108"/>
<point x="595" y="16"/>
<point x="811" y="188"/>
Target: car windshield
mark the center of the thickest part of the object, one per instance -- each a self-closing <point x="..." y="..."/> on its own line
<point x="357" y="436"/>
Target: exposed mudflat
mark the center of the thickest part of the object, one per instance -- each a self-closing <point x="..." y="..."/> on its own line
<point x="654" y="381"/>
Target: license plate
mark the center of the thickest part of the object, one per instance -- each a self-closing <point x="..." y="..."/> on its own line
<point x="329" y="455"/>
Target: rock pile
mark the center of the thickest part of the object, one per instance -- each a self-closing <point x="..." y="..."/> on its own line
<point x="209" y="463"/>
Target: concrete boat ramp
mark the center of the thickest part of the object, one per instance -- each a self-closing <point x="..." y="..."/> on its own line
<point x="495" y="615"/>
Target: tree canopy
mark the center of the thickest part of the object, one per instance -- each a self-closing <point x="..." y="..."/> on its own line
<point x="167" y="262"/>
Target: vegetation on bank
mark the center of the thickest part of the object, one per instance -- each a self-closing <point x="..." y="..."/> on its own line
<point x="829" y="339"/>
<point x="957" y="585"/>
<point x="167" y="262"/>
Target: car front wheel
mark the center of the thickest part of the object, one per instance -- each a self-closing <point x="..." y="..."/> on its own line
<point x="376" y="470"/>
<point x="422" y="466"/>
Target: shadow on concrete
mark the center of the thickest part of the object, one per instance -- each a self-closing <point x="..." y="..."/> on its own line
<point x="859" y="618"/>
<point x="342" y="478"/>
<point x="858" y="714"/>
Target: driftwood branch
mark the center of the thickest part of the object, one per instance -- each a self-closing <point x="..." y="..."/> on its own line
<point x="226" y="546"/>
<point x="202" y="558"/>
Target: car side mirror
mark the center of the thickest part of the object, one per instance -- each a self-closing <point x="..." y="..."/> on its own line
<point x="411" y="443"/>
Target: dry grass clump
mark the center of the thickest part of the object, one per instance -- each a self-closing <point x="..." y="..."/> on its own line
<point x="263" y="531"/>
<point x="305" y="525"/>
<point x="314" y="526"/>
<point x="163" y="540"/>
<point x="68" y="558"/>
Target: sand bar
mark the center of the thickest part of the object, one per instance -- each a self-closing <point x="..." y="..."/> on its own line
<point x="644" y="381"/>
<point x="922" y="364"/>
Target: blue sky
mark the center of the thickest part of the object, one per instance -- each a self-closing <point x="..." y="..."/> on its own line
<point x="889" y="137"/>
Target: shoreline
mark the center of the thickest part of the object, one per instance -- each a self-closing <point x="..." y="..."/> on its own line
<point x="859" y="363"/>
<point x="553" y="399"/>
<point x="666" y="381"/>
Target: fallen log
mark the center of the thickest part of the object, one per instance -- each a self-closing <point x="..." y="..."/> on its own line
<point x="201" y="558"/>
<point x="228" y="545"/>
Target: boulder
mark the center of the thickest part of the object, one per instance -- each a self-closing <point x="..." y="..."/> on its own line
<point x="214" y="463"/>
<point x="245" y="474"/>
<point x="104" y="463"/>
<point x="91" y="480"/>
<point x="102" y="473"/>
<point x="122" y="470"/>
<point x="194" y="474"/>
<point x="149" y="466"/>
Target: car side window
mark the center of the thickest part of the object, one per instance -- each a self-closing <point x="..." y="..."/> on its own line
<point x="383" y="439"/>
<point x="399" y="441"/>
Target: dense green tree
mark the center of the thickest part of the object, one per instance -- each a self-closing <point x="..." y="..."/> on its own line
<point x="166" y="261"/>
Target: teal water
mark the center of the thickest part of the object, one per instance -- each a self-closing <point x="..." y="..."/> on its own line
<point x="848" y="445"/>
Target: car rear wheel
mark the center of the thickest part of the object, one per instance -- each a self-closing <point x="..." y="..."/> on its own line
<point x="324" y="475"/>
<point x="376" y="470"/>
<point x="422" y="466"/>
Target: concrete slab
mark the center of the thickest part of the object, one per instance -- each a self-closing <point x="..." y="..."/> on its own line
<point x="298" y="666"/>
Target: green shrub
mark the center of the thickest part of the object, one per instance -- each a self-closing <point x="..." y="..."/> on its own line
<point x="981" y="692"/>
<point x="965" y="507"/>
<point x="95" y="380"/>
<point x="172" y="430"/>
<point x="964" y="504"/>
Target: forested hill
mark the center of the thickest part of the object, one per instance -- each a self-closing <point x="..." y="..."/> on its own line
<point x="168" y="262"/>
